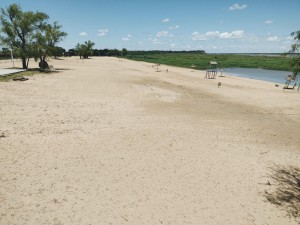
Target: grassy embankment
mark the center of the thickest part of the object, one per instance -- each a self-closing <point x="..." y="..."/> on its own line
<point x="200" y="61"/>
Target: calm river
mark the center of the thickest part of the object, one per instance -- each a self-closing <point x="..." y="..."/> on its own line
<point x="258" y="74"/>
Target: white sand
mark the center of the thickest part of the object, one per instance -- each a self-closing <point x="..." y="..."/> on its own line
<point x="106" y="141"/>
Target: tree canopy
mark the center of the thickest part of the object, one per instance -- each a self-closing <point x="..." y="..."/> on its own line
<point x="28" y="33"/>
<point x="85" y="50"/>
<point x="295" y="50"/>
<point x="45" y="43"/>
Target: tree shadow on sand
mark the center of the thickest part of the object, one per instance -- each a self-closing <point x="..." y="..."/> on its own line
<point x="285" y="189"/>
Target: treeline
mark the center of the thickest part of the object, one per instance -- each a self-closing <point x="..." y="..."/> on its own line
<point x="141" y="52"/>
<point x="5" y="53"/>
<point x="77" y="51"/>
<point x="97" y="52"/>
<point x="124" y="52"/>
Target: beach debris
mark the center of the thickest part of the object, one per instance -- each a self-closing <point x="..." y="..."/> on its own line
<point x="51" y="68"/>
<point x="2" y="135"/>
<point x="157" y="66"/>
<point x="55" y="200"/>
<point x="222" y="71"/>
<point x="167" y="70"/>
<point x="267" y="183"/>
<point x="219" y="84"/>
<point x="124" y="217"/>
<point x="193" y="67"/>
<point x="20" y="78"/>
<point x="276" y="85"/>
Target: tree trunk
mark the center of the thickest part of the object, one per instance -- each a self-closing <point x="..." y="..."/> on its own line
<point x="43" y="65"/>
<point x="24" y="63"/>
<point x="27" y="62"/>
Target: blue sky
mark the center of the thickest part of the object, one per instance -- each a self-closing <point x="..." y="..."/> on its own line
<point x="216" y="26"/>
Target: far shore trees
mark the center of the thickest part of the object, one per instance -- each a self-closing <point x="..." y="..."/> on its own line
<point x="85" y="50"/>
<point x="28" y="34"/>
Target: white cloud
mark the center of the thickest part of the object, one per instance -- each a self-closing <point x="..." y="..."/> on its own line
<point x="127" y="38"/>
<point x="212" y="34"/>
<point x="166" y="20"/>
<point x="273" y="39"/>
<point x="268" y="22"/>
<point x="232" y="35"/>
<point x="154" y="41"/>
<point x="174" y="28"/>
<point x="172" y="45"/>
<point x="226" y="35"/>
<point x="253" y="38"/>
<point x="140" y="43"/>
<point x="196" y="36"/>
<point x="236" y="6"/>
<point x="164" y="34"/>
<point x="102" y="32"/>
<point x="83" y="34"/>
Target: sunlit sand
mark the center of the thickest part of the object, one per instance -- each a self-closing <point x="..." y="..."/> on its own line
<point x="105" y="141"/>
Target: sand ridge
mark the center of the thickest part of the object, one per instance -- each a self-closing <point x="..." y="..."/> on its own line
<point x="110" y="141"/>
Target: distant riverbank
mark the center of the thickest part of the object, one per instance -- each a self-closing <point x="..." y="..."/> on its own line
<point x="201" y="60"/>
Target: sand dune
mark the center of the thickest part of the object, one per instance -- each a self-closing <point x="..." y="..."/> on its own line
<point x="105" y="141"/>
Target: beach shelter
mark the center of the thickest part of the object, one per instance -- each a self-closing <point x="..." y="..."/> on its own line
<point x="211" y="71"/>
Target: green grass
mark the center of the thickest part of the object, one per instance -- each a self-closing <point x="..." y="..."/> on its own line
<point x="27" y="73"/>
<point x="224" y="60"/>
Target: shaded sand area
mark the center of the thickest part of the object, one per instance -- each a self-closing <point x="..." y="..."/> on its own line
<point x="104" y="141"/>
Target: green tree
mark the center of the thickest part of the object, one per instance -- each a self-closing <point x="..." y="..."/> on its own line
<point x="295" y="50"/>
<point x="79" y="49"/>
<point x="114" y="52"/>
<point x="85" y="50"/>
<point x="58" y="51"/>
<point x="45" y="44"/>
<point x="5" y="53"/>
<point x="124" y="52"/>
<point x="19" y="29"/>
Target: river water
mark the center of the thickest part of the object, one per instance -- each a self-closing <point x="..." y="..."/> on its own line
<point x="258" y="74"/>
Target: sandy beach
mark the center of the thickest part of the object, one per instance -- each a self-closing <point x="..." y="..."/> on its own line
<point x="110" y="141"/>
